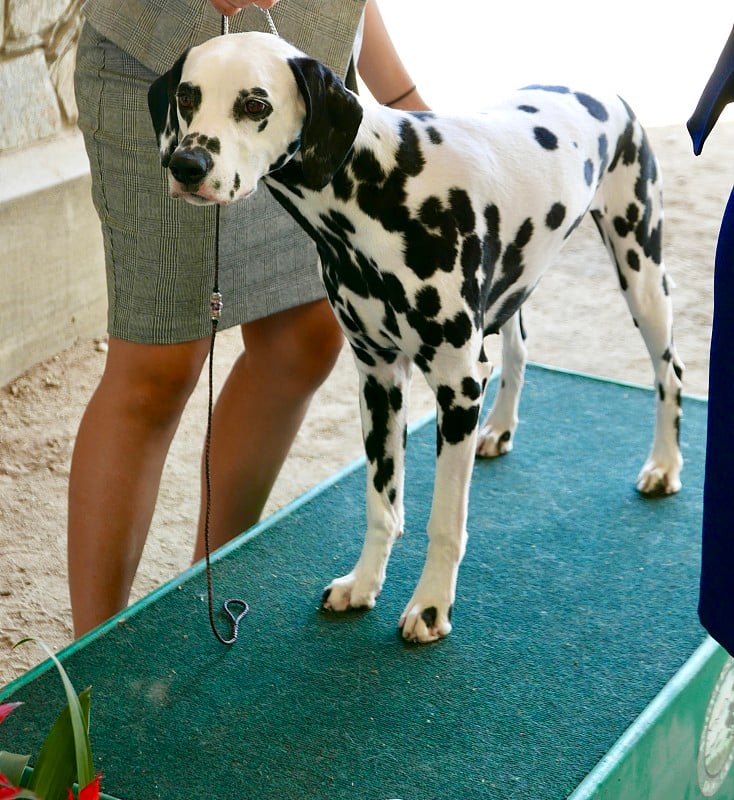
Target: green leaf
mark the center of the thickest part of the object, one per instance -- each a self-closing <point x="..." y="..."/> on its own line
<point x="12" y="766"/>
<point x="79" y="721"/>
<point x="55" y="768"/>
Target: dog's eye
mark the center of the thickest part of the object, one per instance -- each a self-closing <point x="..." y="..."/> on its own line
<point x="185" y="100"/>
<point x="255" y="107"/>
<point x="249" y="106"/>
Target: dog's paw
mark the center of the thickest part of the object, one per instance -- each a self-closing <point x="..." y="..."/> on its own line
<point x="657" y="479"/>
<point x="425" y="623"/>
<point x="493" y="442"/>
<point x="349" y="592"/>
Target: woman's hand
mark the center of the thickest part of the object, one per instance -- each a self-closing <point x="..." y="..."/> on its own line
<point x="231" y="7"/>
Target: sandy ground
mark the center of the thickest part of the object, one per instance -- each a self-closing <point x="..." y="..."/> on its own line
<point x="577" y="319"/>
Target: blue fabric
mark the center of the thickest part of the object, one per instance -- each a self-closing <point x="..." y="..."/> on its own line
<point x="716" y="602"/>
<point x="716" y="598"/>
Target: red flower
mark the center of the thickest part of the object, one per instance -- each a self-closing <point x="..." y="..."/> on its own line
<point x="7" y="708"/>
<point x="89" y="792"/>
<point x="7" y="790"/>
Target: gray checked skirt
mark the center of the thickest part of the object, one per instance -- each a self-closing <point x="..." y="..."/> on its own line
<point x="160" y="252"/>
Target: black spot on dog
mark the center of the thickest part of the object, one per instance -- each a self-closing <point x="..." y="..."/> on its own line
<point x="625" y="225"/>
<point x="457" y="422"/>
<point x="445" y="396"/>
<point x="338" y="223"/>
<point x="510" y="305"/>
<point x="429" y="616"/>
<point x="428" y="301"/>
<point x="395" y="293"/>
<point x="528" y="109"/>
<point x="424" y="358"/>
<point x="430" y="331"/>
<point x="409" y="157"/>
<point x="363" y="355"/>
<point x="621" y="221"/>
<point x="433" y="135"/>
<point x="626" y="150"/>
<point x="554" y="218"/>
<point x="427" y="251"/>
<point x="210" y="143"/>
<point x="458" y="330"/>
<point x="471" y="388"/>
<point x="472" y="259"/>
<point x="462" y="210"/>
<point x="633" y="260"/>
<point x="554" y="89"/>
<point x="589" y="171"/>
<point x="546" y="139"/>
<point x="377" y="402"/>
<point x="366" y="167"/>
<point x="593" y="106"/>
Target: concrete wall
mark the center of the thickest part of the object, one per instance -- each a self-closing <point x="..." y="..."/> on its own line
<point x="51" y="273"/>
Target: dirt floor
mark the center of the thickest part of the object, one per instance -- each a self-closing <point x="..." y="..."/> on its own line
<point x="577" y="319"/>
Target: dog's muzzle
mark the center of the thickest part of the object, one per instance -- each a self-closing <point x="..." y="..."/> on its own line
<point x="190" y="167"/>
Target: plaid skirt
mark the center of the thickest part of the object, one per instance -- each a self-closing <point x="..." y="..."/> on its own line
<point x="159" y="252"/>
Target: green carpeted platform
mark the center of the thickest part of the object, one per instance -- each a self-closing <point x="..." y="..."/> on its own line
<point x="577" y="604"/>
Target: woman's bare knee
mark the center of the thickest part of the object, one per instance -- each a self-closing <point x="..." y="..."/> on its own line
<point x="301" y="344"/>
<point x="154" y="381"/>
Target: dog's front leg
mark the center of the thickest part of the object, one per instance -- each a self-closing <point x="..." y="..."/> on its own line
<point x="383" y="400"/>
<point x="427" y="616"/>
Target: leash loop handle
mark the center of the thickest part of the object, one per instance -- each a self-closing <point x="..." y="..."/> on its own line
<point x="268" y="17"/>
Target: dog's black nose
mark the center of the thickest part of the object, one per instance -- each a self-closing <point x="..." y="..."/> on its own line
<point x="190" y="167"/>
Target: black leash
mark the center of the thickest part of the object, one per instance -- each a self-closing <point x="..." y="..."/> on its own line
<point x="215" y="304"/>
<point x="215" y="308"/>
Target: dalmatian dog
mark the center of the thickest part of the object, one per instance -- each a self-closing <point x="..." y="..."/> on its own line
<point x="432" y="231"/>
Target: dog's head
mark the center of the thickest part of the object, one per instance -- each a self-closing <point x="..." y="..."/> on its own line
<point x="240" y="106"/>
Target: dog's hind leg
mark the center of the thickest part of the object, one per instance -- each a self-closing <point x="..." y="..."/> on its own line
<point x="629" y="216"/>
<point x="383" y="399"/>
<point x="497" y="432"/>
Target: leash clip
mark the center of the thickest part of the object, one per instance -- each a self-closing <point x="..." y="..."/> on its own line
<point x="216" y="305"/>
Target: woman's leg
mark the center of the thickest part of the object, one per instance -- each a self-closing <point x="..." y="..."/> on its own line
<point x="116" y="467"/>
<point x="260" y="409"/>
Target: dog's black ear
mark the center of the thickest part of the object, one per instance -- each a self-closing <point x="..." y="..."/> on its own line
<point x="163" y="110"/>
<point x="333" y="116"/>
